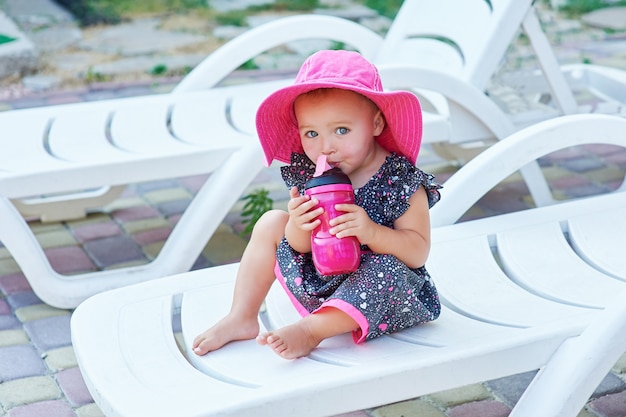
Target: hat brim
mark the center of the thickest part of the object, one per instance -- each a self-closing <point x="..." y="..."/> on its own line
<point x="279" y="135"/>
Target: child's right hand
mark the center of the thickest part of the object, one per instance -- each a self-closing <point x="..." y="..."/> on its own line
<point x="302" y="211"/>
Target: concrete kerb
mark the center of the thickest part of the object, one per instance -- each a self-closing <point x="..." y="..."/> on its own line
<point x="16" y="56"/>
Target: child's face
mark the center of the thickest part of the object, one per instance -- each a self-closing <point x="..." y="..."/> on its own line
<point x="340" y="124"/>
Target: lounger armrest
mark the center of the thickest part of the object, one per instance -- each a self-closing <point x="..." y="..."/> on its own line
<point x="253" y="42"/>
<point x="504" y="158"/>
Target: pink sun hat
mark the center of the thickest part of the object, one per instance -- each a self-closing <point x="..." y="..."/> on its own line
<point x="276" y="122"/>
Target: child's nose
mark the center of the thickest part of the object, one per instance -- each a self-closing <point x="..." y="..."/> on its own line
<point x="327" y="148"/>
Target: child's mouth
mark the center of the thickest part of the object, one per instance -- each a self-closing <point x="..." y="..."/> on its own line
<point x="321" y="166"/>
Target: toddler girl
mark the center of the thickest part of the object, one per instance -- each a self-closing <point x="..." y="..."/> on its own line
<point x="337" y="108"/>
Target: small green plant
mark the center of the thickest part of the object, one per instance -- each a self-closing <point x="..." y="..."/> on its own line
<point x="297" y="5"/>
<point x="159" y="69"/>
<point x="337" y="46"/>
<point x="92" y="12"/>
<point x="233" y="18"/>
<point x="387" y="8"/>
<point x="289" y="5"/>
<point x="249" y="65"/>
<point x="5" y="39"/>
<point x="94" y="77"/>
<point x="257" y="203"/>
<point x="185" y="70"/>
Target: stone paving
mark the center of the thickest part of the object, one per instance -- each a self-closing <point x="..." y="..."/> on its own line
<point x="38" y="371"/>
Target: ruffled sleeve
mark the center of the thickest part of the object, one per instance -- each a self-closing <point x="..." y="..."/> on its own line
<point x="386" y="196"/>
<point x="298" y="172"/>
<point x="432" y="188"/>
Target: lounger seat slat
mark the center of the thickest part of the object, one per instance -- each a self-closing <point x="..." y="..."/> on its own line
<point x="197" y="116"/>
<point x="202" y="119"/>
<point x="84" y="150"/>
<point x="243" y="362"/>
<point x="81" y="137"/>
<point x="145" y="132"/>
<point x="244" y="100"/>
<point x="600" y="239"/>
<point x="448" y="329"/>
<point x="143" y="368"/>
<point x="22" y="134"/>
<point x="475" y="285"/>
<point x="540" y="259"/>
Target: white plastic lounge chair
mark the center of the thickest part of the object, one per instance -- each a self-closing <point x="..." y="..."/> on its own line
<point x="468" y="42"/>
<point x="58" y="150"/>
<point x="450" y="60"/>
<point x="523" y="312"/>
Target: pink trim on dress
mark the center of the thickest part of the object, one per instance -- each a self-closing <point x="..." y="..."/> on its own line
<point x="299" y="307"/>
<point x="359" y="334"/>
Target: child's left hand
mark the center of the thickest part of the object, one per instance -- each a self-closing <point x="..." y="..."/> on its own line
<point x="354" y="222"/>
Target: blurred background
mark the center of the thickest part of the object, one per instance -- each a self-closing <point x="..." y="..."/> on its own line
<point x="60" y="44"/>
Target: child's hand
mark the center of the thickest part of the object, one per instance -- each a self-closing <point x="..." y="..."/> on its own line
<point x="354" y="222"/>
<point x="302" y="212"/>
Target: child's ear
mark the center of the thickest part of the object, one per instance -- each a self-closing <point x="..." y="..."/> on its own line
<point x="379" y="123"/>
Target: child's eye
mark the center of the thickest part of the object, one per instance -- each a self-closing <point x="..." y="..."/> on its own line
<point x="341" y="130"/>
<point x="311" y="134"/>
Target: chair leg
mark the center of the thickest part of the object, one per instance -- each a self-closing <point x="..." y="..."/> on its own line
<point x="537" y="184"/>
<point x="18" y="238"/>
<point x="220" y="192"/>
<point x="187" y="240"/>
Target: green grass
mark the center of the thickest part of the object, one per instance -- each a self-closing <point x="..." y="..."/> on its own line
<point x="91" y="12"/>
<point x="232" y="18"/>
<point x="112" y="11"/>
<point x="290" y="5"/>
<point x="579" y="7"/>
<point x="387" y="8"/>
<point x="123" y="7"/>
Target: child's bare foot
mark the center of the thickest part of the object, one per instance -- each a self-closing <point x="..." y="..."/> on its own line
<point x="290" y="342"/>
<point x="228" y="329"/>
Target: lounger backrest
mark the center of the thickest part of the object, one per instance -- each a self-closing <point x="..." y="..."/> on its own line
<point x="466" y="38"/>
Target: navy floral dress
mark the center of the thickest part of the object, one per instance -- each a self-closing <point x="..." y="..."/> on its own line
<point x="383" y="295"/>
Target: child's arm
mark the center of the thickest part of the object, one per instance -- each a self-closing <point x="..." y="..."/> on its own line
<point x="302" y="220"/>
<point x="409" y="241"/>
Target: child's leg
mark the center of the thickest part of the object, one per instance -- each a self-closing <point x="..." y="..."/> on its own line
<point x="254" y="279"/>
<point x="300" y="338"/>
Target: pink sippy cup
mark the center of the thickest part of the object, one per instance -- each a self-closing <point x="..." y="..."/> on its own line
<point x="332" y="255"/>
